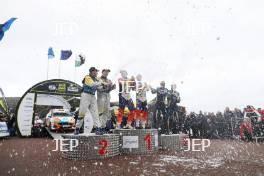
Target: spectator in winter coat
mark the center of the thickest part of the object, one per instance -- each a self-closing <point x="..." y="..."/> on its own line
<point x="246" y="130"/>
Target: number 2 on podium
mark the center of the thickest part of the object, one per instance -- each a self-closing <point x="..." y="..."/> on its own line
<point x="104" y="144"/>
<point x="148" y="139"/>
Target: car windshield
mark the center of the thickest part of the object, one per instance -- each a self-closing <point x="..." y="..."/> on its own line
<point x="61" y="114"/>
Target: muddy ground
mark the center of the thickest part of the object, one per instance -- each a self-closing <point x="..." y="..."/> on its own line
<point x="33" y="156"/>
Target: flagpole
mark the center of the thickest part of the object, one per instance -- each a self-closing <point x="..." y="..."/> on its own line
<point x="74" y="73"/>
<point x="48" y="70"/>
<point x="59" y="68"/>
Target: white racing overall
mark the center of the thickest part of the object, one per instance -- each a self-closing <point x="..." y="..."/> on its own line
<point x="103" y="102"/>
<point x="88" y="112"/>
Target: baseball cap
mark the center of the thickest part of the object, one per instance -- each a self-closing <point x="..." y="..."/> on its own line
<point x="93" y="69"/>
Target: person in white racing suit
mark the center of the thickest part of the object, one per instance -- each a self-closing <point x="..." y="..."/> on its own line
<point x="88" y="112"/>
<point x="141" y="100"/>
<point x="103" y="98"/>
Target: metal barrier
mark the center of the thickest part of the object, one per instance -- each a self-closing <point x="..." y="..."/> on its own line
<point x="176" y="142"/>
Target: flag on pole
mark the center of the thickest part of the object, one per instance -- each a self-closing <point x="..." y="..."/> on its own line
<point x="50" y="53"/>
<point x="5" y="27"/>
<point x="77" y="63"/>
<point x="3" y="103"/>
<point x="65" y="54"/>
<point x="80" y="60"/>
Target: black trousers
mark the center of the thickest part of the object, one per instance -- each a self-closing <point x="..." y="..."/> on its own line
<point x="160" y="115"/>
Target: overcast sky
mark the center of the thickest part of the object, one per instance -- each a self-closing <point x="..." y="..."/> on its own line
<point x="212" y="49"/>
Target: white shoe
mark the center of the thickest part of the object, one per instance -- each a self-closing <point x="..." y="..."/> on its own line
<point x="118" y="126"/>
<point x="128" y="126"/>
<point x="143" y="125"/>
<point x="137" y="123"/>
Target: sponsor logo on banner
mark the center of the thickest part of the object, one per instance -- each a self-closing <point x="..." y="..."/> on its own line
<point x="25" y="113"/>
<point x="28" y="98"/>
<point x="72" y="88"/>
<point x="130" y="141"/>
<point x="28" y="106"/>
<point x="62" y="88"/>
<point x="52" y="87"/>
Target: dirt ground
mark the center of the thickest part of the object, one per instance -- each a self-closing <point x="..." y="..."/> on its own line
<point x="32" y="156"/>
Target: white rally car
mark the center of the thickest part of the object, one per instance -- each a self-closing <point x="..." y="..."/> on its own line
<point x="3" y="130"/>
<point x="60" y="119"/>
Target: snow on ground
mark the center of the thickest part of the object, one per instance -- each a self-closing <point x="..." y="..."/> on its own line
<point x="190" y="162"/>
<point x="29" y="156"/>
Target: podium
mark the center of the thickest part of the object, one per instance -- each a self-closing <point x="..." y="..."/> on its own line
<point x="91" y="146"/>
<point x="138" y="141"/>
<point x="178" y="142"/>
